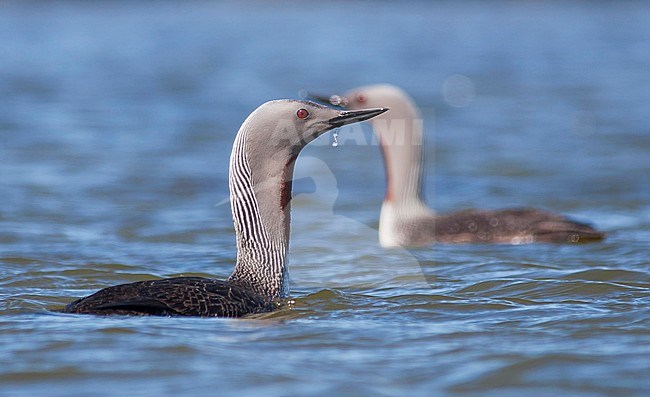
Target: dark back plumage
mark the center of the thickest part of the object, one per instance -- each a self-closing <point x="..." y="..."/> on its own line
<point x="509" y="226"/>
<point x="179" y="296"/>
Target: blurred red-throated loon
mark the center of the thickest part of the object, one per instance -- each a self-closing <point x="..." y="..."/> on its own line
<point x="405" y="219"/>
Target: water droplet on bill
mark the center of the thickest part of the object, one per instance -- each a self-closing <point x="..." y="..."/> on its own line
<point x="335" y="135"/>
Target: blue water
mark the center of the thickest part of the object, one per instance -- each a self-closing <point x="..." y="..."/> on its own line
<point x="116" y="124"/>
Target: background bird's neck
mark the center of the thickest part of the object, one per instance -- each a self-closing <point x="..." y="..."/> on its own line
<point x="402" y="150"/>
<point x="260" y="199"/>
<point x="403" y="205"/>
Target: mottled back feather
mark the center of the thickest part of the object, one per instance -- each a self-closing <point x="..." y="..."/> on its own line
<point x="508" y="226"/>
<point x="179" y="296"/>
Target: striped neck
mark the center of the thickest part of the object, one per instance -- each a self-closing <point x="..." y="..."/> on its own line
<point x="260" y="196"/>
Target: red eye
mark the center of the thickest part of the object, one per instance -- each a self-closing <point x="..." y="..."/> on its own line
<point x="302" y="113"/>
<point x="361" y="98"/>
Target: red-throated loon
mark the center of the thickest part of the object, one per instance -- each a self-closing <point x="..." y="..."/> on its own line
<point x="405" y="219"/>
<point x="261" y="172"/>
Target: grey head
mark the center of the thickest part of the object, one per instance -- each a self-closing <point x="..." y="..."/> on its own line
<point x="401" y="105"/>
<point x="285" y="124"/>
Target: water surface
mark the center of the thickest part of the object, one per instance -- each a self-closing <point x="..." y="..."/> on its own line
<point x="116" y="123"/>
